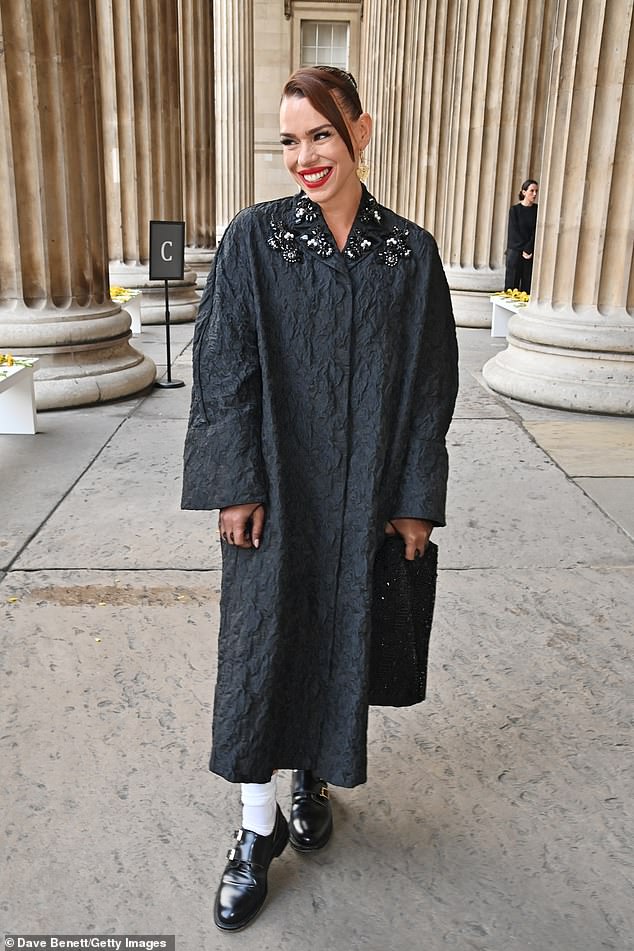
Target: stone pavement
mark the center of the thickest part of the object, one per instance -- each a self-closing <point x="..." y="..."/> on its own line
<point x="496" y="814"/>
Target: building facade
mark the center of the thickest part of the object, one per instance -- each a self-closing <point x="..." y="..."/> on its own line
<point x="176" y="115"/>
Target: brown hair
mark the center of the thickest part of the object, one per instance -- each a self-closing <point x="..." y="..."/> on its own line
<point x="526" y="186"/>
<point x="328" y="89"/>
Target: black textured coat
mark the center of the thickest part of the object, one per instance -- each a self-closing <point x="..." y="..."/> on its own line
<point x="324" y="384"/>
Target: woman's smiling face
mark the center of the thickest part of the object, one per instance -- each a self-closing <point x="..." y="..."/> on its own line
<point x="315" y="154"/>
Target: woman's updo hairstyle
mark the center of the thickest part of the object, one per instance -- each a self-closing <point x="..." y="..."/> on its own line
<point x="328" y="89"/>
<point x="525" y="186"/>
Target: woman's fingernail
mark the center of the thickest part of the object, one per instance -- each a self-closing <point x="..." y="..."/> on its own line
<point x="256" y="542"/>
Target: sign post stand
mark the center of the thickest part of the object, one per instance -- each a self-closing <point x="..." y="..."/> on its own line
<point x="167" y="262"/>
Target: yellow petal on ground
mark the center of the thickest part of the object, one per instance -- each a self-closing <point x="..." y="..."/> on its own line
<point x="12" y="600"/>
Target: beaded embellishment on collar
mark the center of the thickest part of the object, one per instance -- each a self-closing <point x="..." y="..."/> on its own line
<point x="396" y="248"/>
<point x="369" y="212"/>
<point x="320" y="241"/>
<point x="356" y="245"/>
<point x="305" y="209"/>
<point x="319" y="238"/>
<point x="368" y="232"/>
<point x="284" y="241"/>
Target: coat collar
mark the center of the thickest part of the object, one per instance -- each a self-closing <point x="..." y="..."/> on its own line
<point x="368" y="232"/>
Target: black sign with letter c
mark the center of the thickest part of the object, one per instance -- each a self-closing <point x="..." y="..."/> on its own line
<point x="167" y="250"/>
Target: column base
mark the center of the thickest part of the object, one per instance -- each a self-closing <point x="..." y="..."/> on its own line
<point x="84" y="354"/>
<point x="567" y="363"/>
<point x="470" y="289"/>
<point x="483" y="280"/>
<point x="471" y="309"/>
<point x="83" y="378"/>
<point x="183" y="298"/>
<point x="200" y="260"/>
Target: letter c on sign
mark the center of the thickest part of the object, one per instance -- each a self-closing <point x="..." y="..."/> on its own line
<point x="163" y="254"/>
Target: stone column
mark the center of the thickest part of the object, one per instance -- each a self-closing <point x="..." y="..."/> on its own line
<point x="573" y="346"/>
<point x="406" y="77"/>
<point x="142" y="140"/>
<point x="198" y="134"/>
<point x="457" y="89"/>
<point x="502" y="49"/>
<point x="233" y="51"/>
<point x="54" y="297"/>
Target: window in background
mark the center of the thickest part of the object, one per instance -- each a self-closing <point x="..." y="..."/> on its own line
<point x="324" y="43"/>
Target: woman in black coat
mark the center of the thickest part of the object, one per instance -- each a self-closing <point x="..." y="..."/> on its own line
<point x="325" y="375"/>
<point x="520" y="245"/>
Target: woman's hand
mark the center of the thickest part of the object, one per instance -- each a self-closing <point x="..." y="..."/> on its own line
<point x="415" y="533"/>
<point x="242" y="525"/>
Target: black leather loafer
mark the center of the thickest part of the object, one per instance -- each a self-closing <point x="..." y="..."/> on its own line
<point x="243" y="886"/>
<point x="310" y="825"/>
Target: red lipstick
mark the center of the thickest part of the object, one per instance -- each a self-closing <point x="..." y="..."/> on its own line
<point x="318" y="170"/>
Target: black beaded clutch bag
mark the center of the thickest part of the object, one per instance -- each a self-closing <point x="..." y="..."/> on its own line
<point x="403" y="599"/>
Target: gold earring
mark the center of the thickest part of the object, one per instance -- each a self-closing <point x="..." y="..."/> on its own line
<point x="363" y="169"/>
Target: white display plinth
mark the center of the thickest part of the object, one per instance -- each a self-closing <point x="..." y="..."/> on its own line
<point x="17" y="399"/>
<point x="133" y="307"/>
<point x="503" y="310"/>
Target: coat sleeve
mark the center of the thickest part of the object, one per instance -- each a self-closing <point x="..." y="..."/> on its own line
<point x="423" y="483"/>
<point x="223" y="462"/>
<point x="529" y="244"/>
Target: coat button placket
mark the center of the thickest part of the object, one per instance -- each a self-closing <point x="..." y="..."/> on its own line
<point x="343" y="356"/>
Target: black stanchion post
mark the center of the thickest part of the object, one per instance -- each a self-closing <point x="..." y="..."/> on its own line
<point x="167" y="333"/>
<point x="169" y="383"/>
<point x="167" y="261"/>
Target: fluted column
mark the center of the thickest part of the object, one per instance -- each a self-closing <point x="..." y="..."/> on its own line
<point x="573" y="346"/>
<point x="406" y="74"/>
<point x="142" y="140"/>
<point x="457" y="89"/>
<point x="501" y="57"/>
<point x="54" y="297"/>
<point x="233" y="51"/>
<point x="198" y="133"/>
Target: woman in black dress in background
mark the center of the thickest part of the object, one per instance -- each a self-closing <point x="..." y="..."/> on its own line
<point x="520" y="245"/>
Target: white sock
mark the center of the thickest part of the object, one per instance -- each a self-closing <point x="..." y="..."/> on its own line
<point x="259" y="806"/>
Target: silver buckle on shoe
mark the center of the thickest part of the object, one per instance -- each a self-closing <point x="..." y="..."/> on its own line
<point x="238" y="834"/>
<point x="324" y="792"/>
